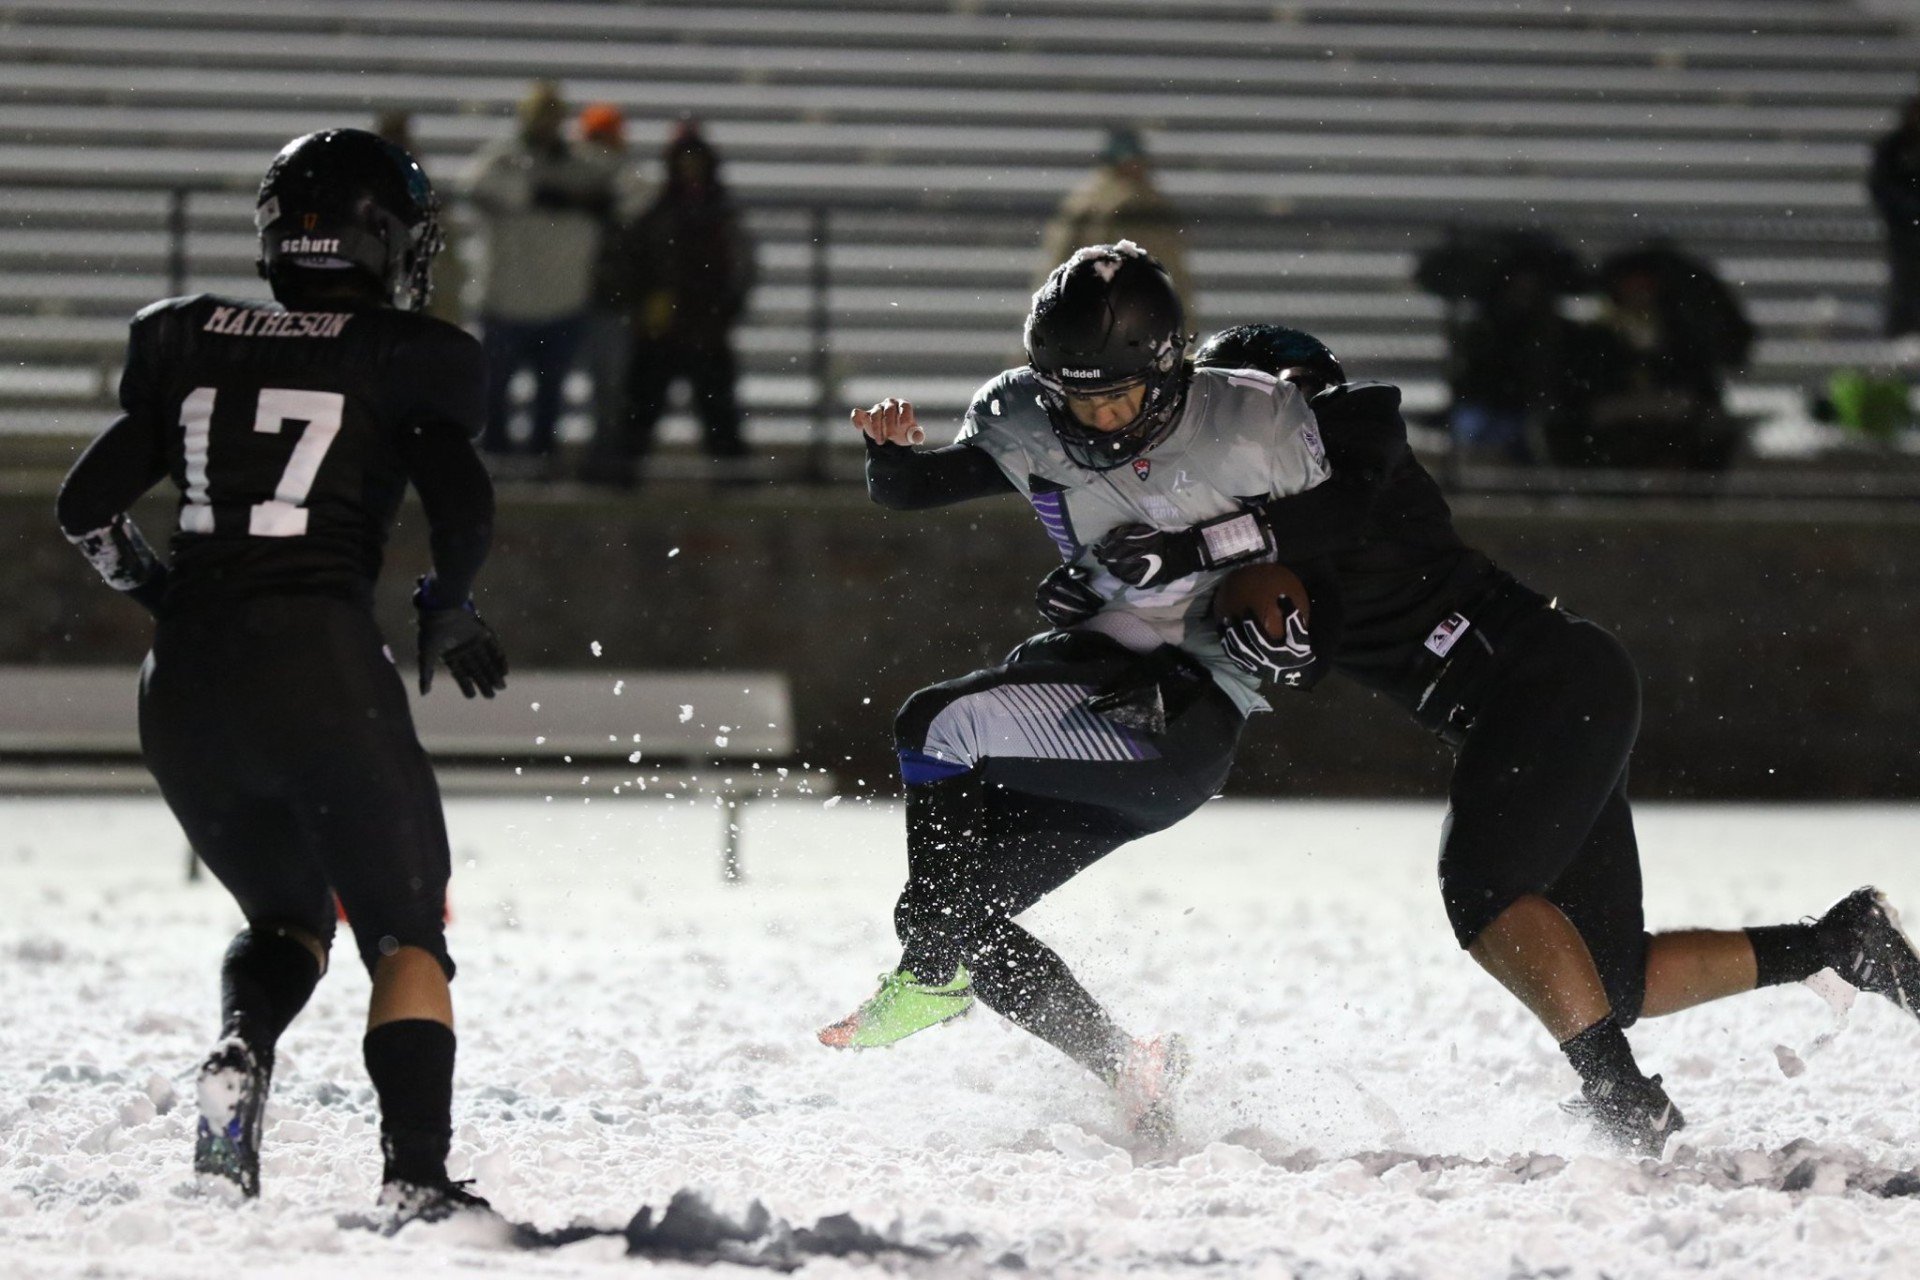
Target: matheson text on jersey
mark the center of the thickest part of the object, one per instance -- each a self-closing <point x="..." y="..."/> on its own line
<point x="248" y="322"/>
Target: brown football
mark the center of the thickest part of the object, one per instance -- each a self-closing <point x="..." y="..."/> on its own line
<point x="1256" y="589"/>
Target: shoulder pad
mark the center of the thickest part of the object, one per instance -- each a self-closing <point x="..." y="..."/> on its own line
<point x="1255" y="379"/>
<point x="1357" y="401"/>
<point x="996" y="400"/>
<point x="1361" y="424"/>
<point x="167" y="306"/>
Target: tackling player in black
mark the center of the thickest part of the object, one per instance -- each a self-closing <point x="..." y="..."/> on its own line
<point x="270" y="711"/>
<point x="1538" y="865"/>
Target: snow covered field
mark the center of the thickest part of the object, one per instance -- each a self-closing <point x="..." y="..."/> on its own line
<point x="1364" y="1102"/>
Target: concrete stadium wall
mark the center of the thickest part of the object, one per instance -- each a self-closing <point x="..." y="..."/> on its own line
<point x="1777" y="642"/>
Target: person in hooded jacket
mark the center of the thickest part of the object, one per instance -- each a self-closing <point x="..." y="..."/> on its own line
<point x="688" y="264"/>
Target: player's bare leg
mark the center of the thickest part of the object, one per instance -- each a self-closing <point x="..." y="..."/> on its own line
<point x="410" y="984"/>
<point x="1859" y="938"/>
<point x="1535" y="952"/>
<point x="1697" y="966"/>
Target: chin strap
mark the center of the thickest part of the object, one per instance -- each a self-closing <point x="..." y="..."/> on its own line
<point x="119" y="553"/>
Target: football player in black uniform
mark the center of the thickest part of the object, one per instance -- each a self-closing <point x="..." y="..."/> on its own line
<point x="1538" y="865"/>
<point x="270" y="711"/>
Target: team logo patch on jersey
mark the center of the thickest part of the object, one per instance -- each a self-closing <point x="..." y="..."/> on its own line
<point x="1143" y="467"/>
<point x="1447" y="633"/>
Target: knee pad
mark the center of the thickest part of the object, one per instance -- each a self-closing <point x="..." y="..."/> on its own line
<point x="387" y="944"/>
<point x="266" y="978"/>
<point x="382" y="936"/>
<point x="273" y="944"/>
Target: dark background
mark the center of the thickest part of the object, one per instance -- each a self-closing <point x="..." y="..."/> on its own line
<point x="1776" y="638"/>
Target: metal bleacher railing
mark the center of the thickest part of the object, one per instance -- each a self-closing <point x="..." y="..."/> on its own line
<point x="868" y="294"/>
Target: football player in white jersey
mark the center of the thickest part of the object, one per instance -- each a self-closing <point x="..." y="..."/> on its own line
<point x="1539" y="864"/>
<point x="1020" y="776"/>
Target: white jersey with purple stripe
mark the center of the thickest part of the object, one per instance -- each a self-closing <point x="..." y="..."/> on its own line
<point x="1243" y="437"/>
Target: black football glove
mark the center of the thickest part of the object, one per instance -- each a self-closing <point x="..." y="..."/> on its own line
<point x="1065" y="597"/>
<point x="461" y="639"/>
<point x="1142" y="556"/>
<point x="1283" y="662"/>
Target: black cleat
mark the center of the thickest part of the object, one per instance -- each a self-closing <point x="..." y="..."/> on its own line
<point x="428" y="1201"/>
<point x="232" y="1091"/>
<point x="1634" y="1116"/>
<point x="1861" y="940"/>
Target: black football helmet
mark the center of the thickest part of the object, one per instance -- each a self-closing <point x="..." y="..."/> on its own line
<point x="349" y="200"/>
<point x="1108" y="318"/>
<point x="1272" y="348"/>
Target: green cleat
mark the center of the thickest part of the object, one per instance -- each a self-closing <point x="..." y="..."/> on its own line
<point x="902" y="1006"/>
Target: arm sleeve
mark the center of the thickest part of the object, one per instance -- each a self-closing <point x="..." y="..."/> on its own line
<point x="455" y="490"/>
<point x="123" y="463"/>
<point x="1365" y="439"/>
<point x="457" y="495"/>
<point x="904" y="479"/>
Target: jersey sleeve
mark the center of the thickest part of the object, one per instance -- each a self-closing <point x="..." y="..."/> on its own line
<point x="125" y="461"/>
<point x="441" y="379"/>
<point x="129" y="457"/>
<point x="1363" y="430"/>
<point x="1366" y="439"/>
<point x="141" y="385"/>
<point x="988" y="427"/>
<point x="1299" y="454"/>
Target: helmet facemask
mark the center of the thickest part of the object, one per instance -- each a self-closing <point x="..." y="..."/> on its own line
<point x="1103" y="450"/>
<point x="1107" y="320"/>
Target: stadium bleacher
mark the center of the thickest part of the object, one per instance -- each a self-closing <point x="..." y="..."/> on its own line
<point x="1318" y="145"/>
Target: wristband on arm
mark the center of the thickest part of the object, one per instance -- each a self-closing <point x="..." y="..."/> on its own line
<point x="1234" y="539"/>
<point x="119" y="554"/>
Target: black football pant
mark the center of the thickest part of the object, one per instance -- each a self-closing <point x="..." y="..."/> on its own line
<point x="711" y="371"/>
<point x="1538" y="801"/>
<point x="280" y="735"/>
<point x="1014" y="788"/>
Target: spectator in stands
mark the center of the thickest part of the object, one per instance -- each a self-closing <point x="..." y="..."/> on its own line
<point x="1119" y="201"/>
<point x="1512" y="356"/>
<point x="1894" y="184"/>
<point x="542" y="204"/>
<point x="449" y="285"/>
<point x="602" y="133"/>
<point x="1669" y="331"/>
<point x="1511" y="364"/>
<point x="687" y="265"/>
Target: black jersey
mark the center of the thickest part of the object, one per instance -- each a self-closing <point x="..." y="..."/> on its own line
<point x="1408" y="570"/>
<point x="287" y="433"/>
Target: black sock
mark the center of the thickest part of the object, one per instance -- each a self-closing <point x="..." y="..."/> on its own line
<point x="1025" y="981"/>
<point x="945" y="822"/>
<point x="1601" y="1054"/>
<point x="411" y="1063"/>
<point x="265" y="980"/>
<point x="1784" y="953"/>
